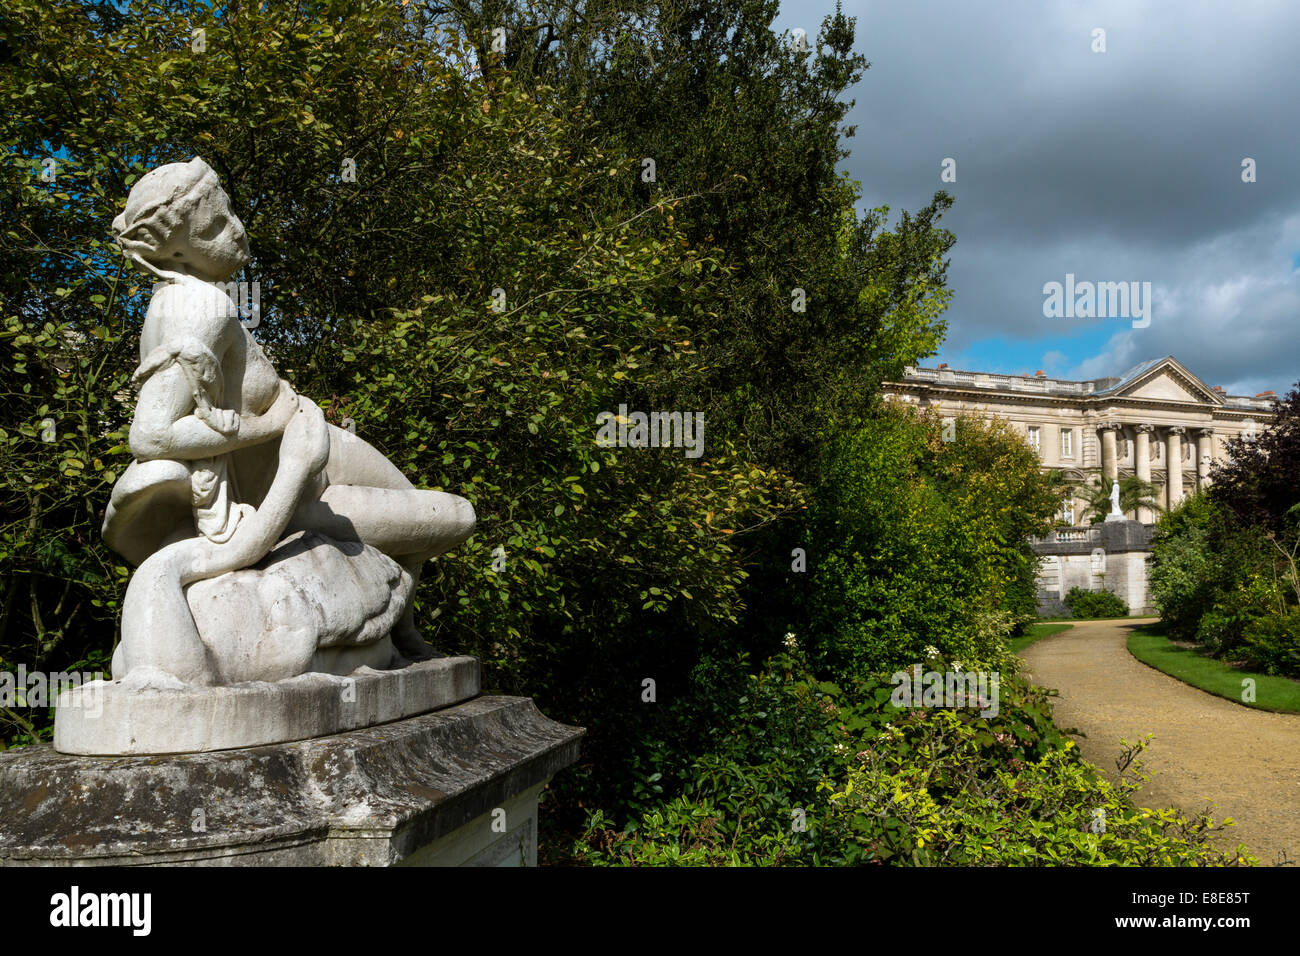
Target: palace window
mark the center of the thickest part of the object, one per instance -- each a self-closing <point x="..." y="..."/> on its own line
<point x="1035" y="440"/>
<point x="1067" y="442"/>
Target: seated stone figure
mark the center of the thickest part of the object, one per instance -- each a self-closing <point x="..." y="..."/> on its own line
<point x="269" y="543"/>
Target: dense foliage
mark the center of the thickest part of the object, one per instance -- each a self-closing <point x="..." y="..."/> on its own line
<point x="1223" y="570"/>
<point x="805" y="772"/>
<point x="914" y="540"/>
<point x="750" y="125"/>
<point x="1084" y="603"/>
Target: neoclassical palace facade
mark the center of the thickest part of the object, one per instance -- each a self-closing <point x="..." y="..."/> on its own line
<point x="1157" y="421"/>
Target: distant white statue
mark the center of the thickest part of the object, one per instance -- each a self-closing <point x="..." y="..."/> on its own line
<point x="269" y="543"/>
<point x="1114" y="502"/>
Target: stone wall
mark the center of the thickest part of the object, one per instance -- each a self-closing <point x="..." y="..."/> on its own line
<point x="1110" y="556"/>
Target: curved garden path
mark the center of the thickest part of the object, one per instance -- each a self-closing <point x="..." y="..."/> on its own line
<point x="1205" y="749"/>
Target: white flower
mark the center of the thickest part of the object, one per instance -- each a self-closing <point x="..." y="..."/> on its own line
<point x="790" y="642"/>
<point x="956" y="665"/>
<point x="931" y="651"/>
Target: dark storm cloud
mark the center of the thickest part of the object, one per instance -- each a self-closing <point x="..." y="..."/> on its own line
<point x="1116" y="166"/>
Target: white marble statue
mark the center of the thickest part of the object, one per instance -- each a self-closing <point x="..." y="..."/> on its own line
<point x="269" y="543"/>
<point x="1114" y="500"/>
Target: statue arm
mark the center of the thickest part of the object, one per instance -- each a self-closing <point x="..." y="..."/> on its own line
<point x="166" y="426"/>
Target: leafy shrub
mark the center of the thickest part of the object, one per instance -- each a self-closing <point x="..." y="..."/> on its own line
<point x="1229" y="585"/>
<point x="1201" y="558"/>
<point x="1094" y="603"/>
<point x="1272" y="643"/>
<point x="1223" y="627"/>
<point x="1183" y="575"/>
<point x="915" y="541"/>
<point x="940" y="798"/>
<point x="807" y="773"/>
<point x="1220" y="631"/>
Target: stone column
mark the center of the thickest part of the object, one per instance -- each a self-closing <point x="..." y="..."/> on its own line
<point x="1142" y="463"/>
<point x="1109" y="460"/>
<point x="1174" y="466"/>
<point x="1204" y="455"/>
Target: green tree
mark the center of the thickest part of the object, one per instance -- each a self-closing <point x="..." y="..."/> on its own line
<point x="1258" y="480"/>
<point x="816" y="304"/>
<point x="1208" y="573"/>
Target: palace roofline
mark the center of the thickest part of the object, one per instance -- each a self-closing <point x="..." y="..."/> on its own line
<point x="1109" y="387"/>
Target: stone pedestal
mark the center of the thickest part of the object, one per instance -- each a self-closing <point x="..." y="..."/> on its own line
<point x="454" y="787"/>
<point x="111" y="718"/>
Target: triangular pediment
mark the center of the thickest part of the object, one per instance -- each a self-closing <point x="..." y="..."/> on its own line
<point x="1164" y="380"/>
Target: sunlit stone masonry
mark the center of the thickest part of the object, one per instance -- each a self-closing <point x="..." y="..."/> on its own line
<point x="1158" y="421"/>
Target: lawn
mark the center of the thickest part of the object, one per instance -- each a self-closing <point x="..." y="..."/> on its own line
<point x="1191" y="666"/>
<point x="1036" y="632"/>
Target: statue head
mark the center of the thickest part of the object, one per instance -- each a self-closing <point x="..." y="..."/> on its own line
<point x="178" y="220"/>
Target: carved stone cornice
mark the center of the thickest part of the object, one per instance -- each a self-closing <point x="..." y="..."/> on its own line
<point x="1084" y="408"/>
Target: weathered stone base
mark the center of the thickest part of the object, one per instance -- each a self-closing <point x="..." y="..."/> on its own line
<point x="1110" y="556"/>
<point x="455" y="787"/>
<point x="112" y="718"/>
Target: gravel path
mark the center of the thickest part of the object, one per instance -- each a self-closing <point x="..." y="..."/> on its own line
<point x="1205" y="750"/>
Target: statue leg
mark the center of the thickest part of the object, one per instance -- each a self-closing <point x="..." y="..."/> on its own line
<point x="158" y="631"/>
<point x="408" y="524"/>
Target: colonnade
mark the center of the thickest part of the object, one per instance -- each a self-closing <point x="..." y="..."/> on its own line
<point x="1173" y="437"/>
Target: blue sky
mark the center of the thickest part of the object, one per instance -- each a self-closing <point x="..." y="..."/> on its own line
<point x="1115" y="166"/>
